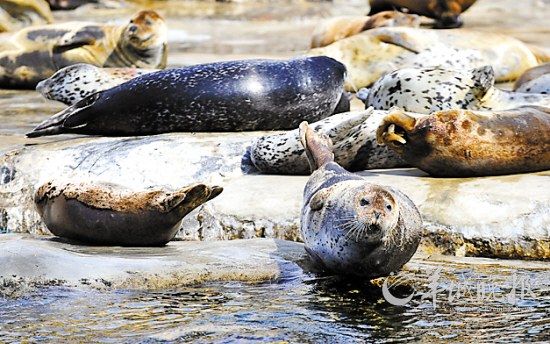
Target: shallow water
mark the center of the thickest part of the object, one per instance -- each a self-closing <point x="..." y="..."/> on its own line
<point x="296" y="310"/>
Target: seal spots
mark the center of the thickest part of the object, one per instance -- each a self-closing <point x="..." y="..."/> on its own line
<point x="350" y="226"/>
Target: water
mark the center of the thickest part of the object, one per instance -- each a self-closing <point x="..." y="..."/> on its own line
<point x="296" y="310"/>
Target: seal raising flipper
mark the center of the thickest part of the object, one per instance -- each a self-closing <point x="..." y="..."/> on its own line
<point x="350" y="226"/>
<point x="112" y="215"/>
<point x="464" y="143"/>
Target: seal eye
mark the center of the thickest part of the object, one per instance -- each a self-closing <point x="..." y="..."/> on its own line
<point x="363" y="202"/>
<point x="388" y="207"/>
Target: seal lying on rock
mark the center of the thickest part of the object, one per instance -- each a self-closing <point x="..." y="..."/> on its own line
<point x="373" y="53"/>
<point x="74" y="83"/>
<point x="534" y="80"/>
<point x="338" y="28"/>
<point x="432" y="89"/>
<point x="446" y="12"/>
<point x="223" y="96"/>
<point x="464" y="143"/>
<point x="17" y="14"/>
<point x="35" y="53"/>
<point x="355" y="147"/>
<point x="350" y="226"/>
<point x="110" y="215"/>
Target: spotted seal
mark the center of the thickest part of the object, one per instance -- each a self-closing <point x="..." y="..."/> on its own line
<point x="109" y="214"/>
<point x="466" y="143"/>
<point x="71" y="84"/>
<point x="223" y="96"/>
<point x="373" y="53"/>
<point x="17" y="14"/>
<point x="355" y="147"/>
<point x="350" y="226"/>
<point x="445" y="12"/>
<point x="37" y="52"/>
<point x="341" y="27"/>
<point x="432" y="89"/>
<point x="534" y="80"/>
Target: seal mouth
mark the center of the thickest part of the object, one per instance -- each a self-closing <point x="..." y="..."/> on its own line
<point x="374" y="229"/>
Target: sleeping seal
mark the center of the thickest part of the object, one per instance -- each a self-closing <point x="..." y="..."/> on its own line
<point x="223" y="96"/>
<point x="445" y="12"/>
<point x="350" y="226"/>
<point x="341" y="27"/>
<point x="432" y="89"/>
<point x="35" y="53"/>
<point x="355" y="147"/>
<point x="111" y="215"/>
<point x="373" y="53"/>
<point x="71" y="84"/>
<point x="465" y="143"/>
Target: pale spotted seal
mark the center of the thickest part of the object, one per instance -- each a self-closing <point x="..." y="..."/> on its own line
<point x="355" y="147"/>
<point x="37" y="52"/>
<point x="445" y="12"/>
<point x="373" y="53"/>
<point x="534" y="80"/>
<point x="17" y="14"/>
<point x="341" y="27"/>
<point x="71" y="84"/>
<point x="112" y="215"/>
<point x="465" y="143"/>
<point x="224" y="96"/>
<point x="432" y="89"/>
<point x="350" y="226"/>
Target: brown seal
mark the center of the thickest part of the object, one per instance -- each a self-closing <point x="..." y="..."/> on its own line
<point x="17" y="14"/>
<point x="345" y="26"/>
<point x="111" y="215"/>
<point x="350" y="226"/>
<point x="464" y="143"/>
<point x="445" y="12"/>
<point x="37" y="52"/>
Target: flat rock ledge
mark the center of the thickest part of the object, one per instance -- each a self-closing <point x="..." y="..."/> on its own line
<point x="502" y="216"/>
<point x="31" y="262"/>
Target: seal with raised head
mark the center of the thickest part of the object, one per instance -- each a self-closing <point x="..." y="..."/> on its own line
<point x="350" y="226"/>
<point x="223" y="96"/>
<point x="432" y="89"/>
<point x="108" y="214"/>
<point x="17" y="14"/>
<point x="35" y="53"/>
<point x="534" y="80"/>
<point x="341" y="27"/>
<point x="445" y="12"/>
<point x="355" y="147"/>
<point x="466" y="143"/>
<point x="71" y="84"/>
<point x="374" y="53"/>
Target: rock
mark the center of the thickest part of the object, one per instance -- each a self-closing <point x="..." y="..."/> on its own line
<point x="504" y="216"/>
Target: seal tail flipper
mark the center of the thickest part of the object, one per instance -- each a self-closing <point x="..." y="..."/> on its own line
<point x="318" y="146"/>
<point x="57" y="123"/>
<point x="397" y="119"/>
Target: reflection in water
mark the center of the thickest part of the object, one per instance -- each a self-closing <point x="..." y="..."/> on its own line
<point x="318" y="310"/>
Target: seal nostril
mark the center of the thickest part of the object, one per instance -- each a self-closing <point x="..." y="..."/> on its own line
<point x="133" y="28"/>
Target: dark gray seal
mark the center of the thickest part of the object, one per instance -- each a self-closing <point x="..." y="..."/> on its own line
<point x="350" y="226"/>
<point x="110" y="215"/>
<point x="223" y="96"/>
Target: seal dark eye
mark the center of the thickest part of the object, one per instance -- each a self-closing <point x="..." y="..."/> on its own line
<point x="148" y="22"/>
<point x="388" y="207"/>
<point x="363" y="202"/>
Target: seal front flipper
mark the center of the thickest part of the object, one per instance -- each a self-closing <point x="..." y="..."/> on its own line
<point x="318" y="147"/>
<point x="86" y="36"/>
<point x="67" y="120"/>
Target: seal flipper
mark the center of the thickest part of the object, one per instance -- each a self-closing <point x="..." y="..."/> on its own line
<point x="71" y="118"/>
<point x="318" y="147"/>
